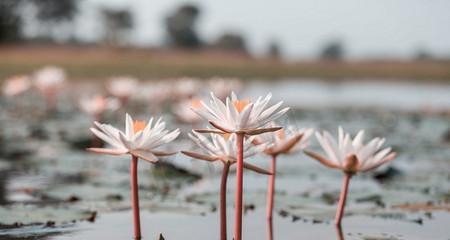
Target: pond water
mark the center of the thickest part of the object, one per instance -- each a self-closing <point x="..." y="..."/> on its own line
<point x="51" y="188"/>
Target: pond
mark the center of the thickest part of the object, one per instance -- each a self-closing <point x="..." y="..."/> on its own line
<point x="51" y="188"/>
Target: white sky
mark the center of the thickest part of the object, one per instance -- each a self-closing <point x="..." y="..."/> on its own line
<point x="393" y="28"/>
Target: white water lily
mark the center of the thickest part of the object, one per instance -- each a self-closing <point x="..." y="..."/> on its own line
<point x="140" y="139"/>
<point x="223" y="147"/>
<point x="285" y="141"/>
<point x="16" y="85"/>
<point x="185" y="87"/>
<point x="183" y="112"/>
<point x="49" y="79"/>
<point x="97" y="104"/>
<point x="223" y="87"/>
<point x="241" y="116"/>
<point x="352" y="155"/>
<point x="122" y="87"/>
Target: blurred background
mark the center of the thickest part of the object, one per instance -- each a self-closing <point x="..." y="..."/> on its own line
<point x="383" y="66"/>
<point x="401" y="39"/>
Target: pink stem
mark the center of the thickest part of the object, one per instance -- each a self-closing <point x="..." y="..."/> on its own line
<point x="223" y="201"/>
<point x="270" y="229"/>
<point x="271" y="188"/>
<point x="342" y="198"/>
<point x="51" y="99"/>
<point x="239" y="185"/>
<point x="135" y="198"/>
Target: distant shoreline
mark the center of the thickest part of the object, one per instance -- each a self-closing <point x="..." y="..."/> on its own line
<point x="101" y="62"/>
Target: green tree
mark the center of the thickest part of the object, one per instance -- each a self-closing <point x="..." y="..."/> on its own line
<point x="181" y="27"/>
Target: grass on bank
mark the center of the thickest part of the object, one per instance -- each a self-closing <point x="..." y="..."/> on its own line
<point x="85" y="63"/>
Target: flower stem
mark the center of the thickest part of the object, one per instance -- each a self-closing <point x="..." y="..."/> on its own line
<point x="239" y="186"/>
<point x="269" y="229"/>
<point x="342" y="198"/>
<point x="51" y="100"/>
<point x="271" y="188"/>
<point x="135" y="197"/>
<point x="223" y="201"/>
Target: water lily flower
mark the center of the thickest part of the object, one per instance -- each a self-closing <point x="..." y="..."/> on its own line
<point x="185" y="88"/>
<point x="183" y="111"/>
<point x="223" y="148"/>
<point x="281" y="142"/>
<point x="122" y="88"/>
<point x="223" y="87"/>
<point x="351" y="156"/>
<point x="49" y="80"/>
<point x="140" y="140"/>
<point x="242" y="117"/>
<point x="16" y="85"/>
<point x="285" y="141"/>
<point x="97" y="104"/>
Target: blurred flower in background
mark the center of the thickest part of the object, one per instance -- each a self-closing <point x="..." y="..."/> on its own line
<point x="98" y="104"/>
<point x="16" y="85"/>
<point x="122" y="88"/>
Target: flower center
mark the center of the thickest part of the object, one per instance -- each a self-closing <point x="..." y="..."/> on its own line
<point x="351" y="163"/>
<point x="240" y="104"/>
<point x="226" y="135"/>
<point x="138" y="126"/>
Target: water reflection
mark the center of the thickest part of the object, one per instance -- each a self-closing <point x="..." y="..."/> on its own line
<point x="270" y="231"/>
<point x="339" y="233"/>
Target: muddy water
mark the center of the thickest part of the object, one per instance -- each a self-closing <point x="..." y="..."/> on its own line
<point x="50" y="188"/>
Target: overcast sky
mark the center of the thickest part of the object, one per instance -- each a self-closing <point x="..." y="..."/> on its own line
<point x="368" y="28"/>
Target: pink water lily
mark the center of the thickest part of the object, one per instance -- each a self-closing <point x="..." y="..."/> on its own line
<point x="122" y="87"/>
<point x="223" y="87"/>
<point x="16" y="85"/>
<point x="97" y="104"/>
<point x="183" y="112"/>
<point x="140" y="140"/>
<point x="351" y="156"/>
<point x="50" y="80"/>
<point x="242" y="117"/>
<point x="285" y="141"/>
<point x="222" y="147"/>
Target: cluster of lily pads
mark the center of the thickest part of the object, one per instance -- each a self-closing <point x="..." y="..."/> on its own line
<point x="239" y="129"/>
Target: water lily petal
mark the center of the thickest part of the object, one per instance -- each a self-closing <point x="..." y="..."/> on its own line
<point x="144" y="155"/>
<point x="199" y="156"/>
<point x="110" y="151"/>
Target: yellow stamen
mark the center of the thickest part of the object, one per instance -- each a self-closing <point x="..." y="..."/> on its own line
<point x="226" y="135"/>
<point x="240" y="104"/>
<point x="138" y="126"/>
